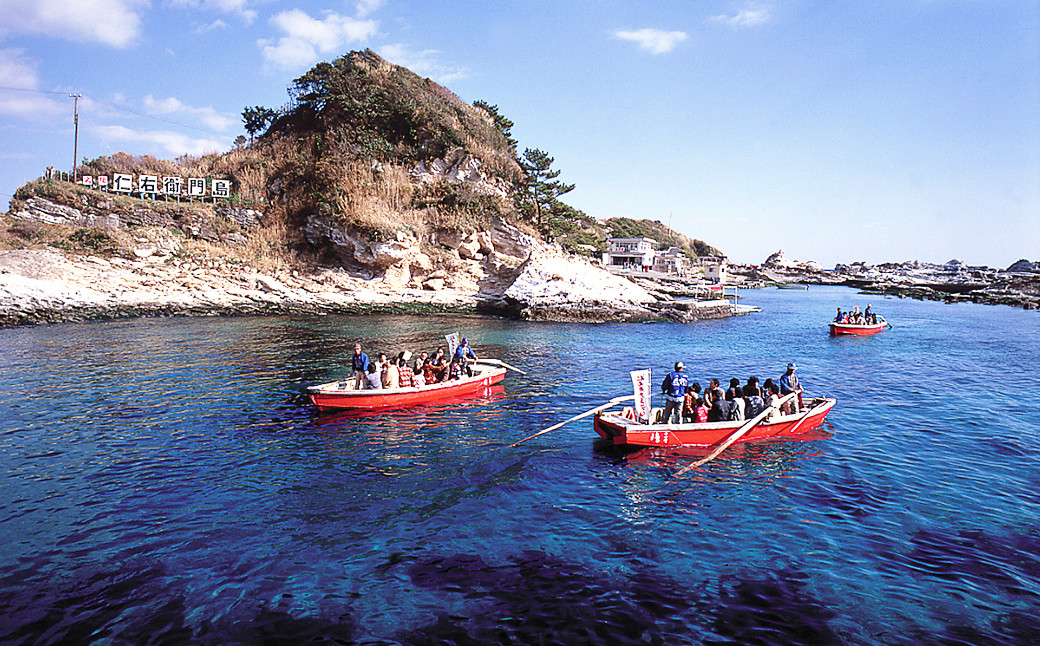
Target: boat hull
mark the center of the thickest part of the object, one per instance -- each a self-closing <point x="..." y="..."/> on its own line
<point x="840" y="329"/>
<point x="621" y="431"/>
<point x="331" y="397"/>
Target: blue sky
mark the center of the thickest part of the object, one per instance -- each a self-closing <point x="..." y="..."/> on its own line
<point x="835" y="130"/>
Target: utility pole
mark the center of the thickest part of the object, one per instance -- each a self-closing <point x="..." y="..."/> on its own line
<point x="75" y="140"/>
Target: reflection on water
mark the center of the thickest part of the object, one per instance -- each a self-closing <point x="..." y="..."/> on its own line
<point x="161" y="480"/>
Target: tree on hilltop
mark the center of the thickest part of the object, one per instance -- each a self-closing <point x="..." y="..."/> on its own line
<point x="257" y="119"/>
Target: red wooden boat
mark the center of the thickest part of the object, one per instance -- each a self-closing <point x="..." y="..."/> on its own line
<point x="860" y="329"/>
<point x="619" y="427"/>
<point x="339" y="395"/>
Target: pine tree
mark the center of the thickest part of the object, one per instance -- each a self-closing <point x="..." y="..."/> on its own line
<point x="541" y="192"/>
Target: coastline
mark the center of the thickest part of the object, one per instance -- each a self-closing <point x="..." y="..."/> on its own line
<point x="40" y="286"/>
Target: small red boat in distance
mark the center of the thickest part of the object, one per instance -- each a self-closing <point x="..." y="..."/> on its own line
<point x="859" y="329"/>
<point x="340" y="395"/>
<point x="620" y="427"/>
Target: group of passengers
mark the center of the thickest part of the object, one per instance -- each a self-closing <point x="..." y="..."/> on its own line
<point x="685" y="401"/>
<point x="856" y="317"/>
<point x="396" y="372"/>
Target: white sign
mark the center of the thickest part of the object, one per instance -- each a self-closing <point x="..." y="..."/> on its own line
<point x="122" y="183"/>
<point x="172" y="185"/>
<point x="196" y="186"/>
<point x="148" y="183"/>
<point x="641" y="386"/>
<point x="453" y="342"/>
<point x="88" y="180"/>
<point x="221" y="188"/>
<point x="102" y="181"/>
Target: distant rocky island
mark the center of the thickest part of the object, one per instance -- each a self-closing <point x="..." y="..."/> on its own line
<point x="954" y="281"/>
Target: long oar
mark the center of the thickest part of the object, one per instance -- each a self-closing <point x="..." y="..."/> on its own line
<point x="501" y="363"/>
<point x="750" y="424"/>
<point x="794" y="428"/>
<point x="597" y="409"/>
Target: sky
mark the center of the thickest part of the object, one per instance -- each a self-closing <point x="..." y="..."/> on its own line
<point x="834" y="130"/>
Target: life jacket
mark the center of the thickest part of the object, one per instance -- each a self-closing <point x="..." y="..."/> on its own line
<point x="678" y="382"/>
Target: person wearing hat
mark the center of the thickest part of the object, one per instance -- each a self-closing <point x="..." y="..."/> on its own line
<point x="359" y="364"/>
<point x="463" y="354"/>
<point x="789" y="384"/>
<point x="674" y="388"/>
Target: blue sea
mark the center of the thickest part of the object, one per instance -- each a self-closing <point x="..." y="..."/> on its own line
<point x="162" y="482"/>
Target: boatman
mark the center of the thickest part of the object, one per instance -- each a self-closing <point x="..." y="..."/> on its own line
<point x="360" y="367"/>
<point x="674" y="388"/>
<point x="789" y="384"/>
<point x="463" y="354"/>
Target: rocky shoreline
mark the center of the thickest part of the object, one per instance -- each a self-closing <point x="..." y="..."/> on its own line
<point x="50" y="286"/>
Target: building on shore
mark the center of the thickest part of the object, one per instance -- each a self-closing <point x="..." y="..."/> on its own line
<point x="635" y="253"/>
<point x="641" y="254"/>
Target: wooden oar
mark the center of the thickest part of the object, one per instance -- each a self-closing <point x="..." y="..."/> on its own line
<point x="805" y="416"/>
<point x="597" y="409"/>
<point x="750" y="424"/>
<point x="500" y="363"/>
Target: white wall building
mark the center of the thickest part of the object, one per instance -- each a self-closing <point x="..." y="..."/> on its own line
<point x="630" y="252"/>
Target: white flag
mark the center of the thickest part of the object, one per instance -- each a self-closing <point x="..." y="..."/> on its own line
<point x="453" y="342"/>
<point x="641" y="385"/>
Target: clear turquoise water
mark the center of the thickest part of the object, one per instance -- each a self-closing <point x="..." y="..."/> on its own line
<point x="160" y="482"/>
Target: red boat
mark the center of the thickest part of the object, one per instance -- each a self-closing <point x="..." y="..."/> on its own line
<point x="339" y="395"/>
<point x="621" y="428"/>
<point x="861" y="329"/>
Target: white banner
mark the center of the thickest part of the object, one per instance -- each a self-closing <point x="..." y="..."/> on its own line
<point x="453" y="342"/>
<point x="641" y="386"/>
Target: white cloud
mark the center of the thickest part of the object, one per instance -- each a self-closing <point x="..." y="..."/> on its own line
<point x="173" y="143"/>
<point x="216" y="24"/>
<point x="171" y="106"/>
<point x="26" y="100"/>
<point x="756" y="14"/>
<point x="116" y="23"/>
<point x="423" y="63"/>
<point x="306" y="39"/>
<point x="240" y="8"/>
<point x="654" y="41"/>
<point x="367" y="7"/>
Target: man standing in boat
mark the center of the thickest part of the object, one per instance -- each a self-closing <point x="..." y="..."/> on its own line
<point x="789" y="384"/>
<point x="463" y="354"/>
<point x="360" y="366"/>
<point x="674" y="388"/>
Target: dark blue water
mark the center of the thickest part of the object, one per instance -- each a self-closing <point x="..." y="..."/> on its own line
<point x="161" y="483"/>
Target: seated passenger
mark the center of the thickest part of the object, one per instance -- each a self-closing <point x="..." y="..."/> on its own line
<point x="373" y="380"/>
<point x="722" y="410"/>
<point x="838" y="318"/>
<point x="391" y="377"/>
<point x="753" y="404"/>
<point x="438" y="367"/>
<point x="713" y="392"/>
<point x="455" y="369"/>
<point x="773" y="400"/>
<point x="701" y="413"/>
<point x="734" y="390"/>
<point x="405" y="376"/>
